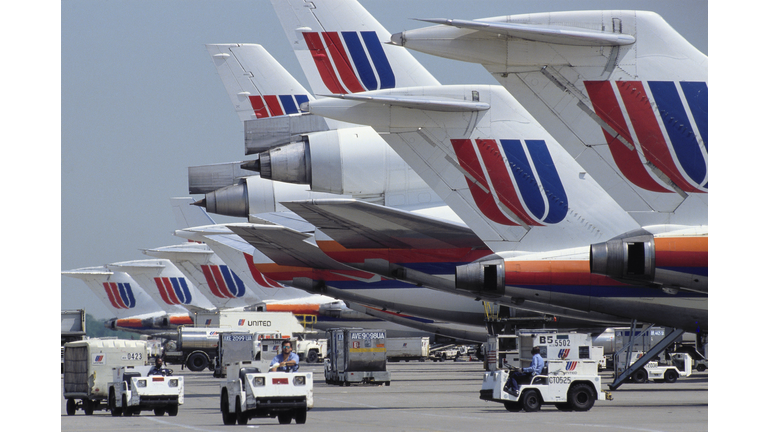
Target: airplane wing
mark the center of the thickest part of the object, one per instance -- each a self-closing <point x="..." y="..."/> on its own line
<point x="285" y="246"/>
<point x="357" y="224"/>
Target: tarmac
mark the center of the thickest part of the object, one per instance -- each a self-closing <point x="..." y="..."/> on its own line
<point x="427" y="396"/>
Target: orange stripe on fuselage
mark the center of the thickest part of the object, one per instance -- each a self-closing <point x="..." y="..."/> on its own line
<point x="567" y="272"/>
<point x="180" y="320"/>
<point x="338" y="252"/>
<point x="128" y="323"/>
<point x="296" y="309"/>
<point x="682" y="251"/>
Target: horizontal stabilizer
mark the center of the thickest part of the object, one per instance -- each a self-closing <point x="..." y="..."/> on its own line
<point x="357" y="224"/>
<point x="542" y="33"/>
<point x="427" y="103"/>
<point x="188" y="215"/>
<point x="285" y="246"/>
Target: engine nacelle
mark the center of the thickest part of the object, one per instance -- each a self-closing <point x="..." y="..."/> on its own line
<point x="254" y="195"/>
<point x="350" y="161"/>
<point x="482" y="277"/>
<point x="629" y="257"/>
<point x="671" y="260"/>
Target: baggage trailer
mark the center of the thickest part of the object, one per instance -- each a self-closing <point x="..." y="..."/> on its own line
<point x="88" y="368"/>
<point x="357" y="356"/>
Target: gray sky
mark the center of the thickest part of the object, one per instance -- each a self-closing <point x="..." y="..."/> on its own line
<point x="141" y="101"/>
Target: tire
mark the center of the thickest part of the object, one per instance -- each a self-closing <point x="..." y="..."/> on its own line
<point x="87" y="407"/>
<point x="301" y="416"/>
<point x="116" y="412"/>
<point x="581" y="397"/>
<point x="700" y="367"/>
<point x="284" y="417"/>
<point x="159" y="411"/>
<point x="197" y="361"/>
<point x="513" y="406"/>
<point x="227" y="417"/>
<point x="531" y="400"/>
<point x="172" y="410"/>
<point x="313" y="357"/>
<point x="126" y="412"/>
<point x="670" y="376"/>
<point x="242" y="419"/>
<point x="640" y="376"/>
<point x="71" y="407"/>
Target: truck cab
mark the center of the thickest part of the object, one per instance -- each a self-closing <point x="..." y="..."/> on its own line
<point x="133" y="390"/>
<point x="249" y="393"/>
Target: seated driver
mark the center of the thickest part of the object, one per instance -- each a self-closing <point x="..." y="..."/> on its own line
<point x="286" y="361"/>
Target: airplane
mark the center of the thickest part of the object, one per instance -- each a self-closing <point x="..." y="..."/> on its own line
<point x="297" y="149"/>
<point x="133" y="308"/>
<point x="627" y="96"/>
<point x="234" y="61"/>
<point x="503" y="174"/>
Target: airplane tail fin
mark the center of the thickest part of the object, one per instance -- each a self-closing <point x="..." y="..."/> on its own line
<point x="120" y="293"/>
<point x="491" y="162"/>
<point x="343" y="49"/>
<point x="165" y="283"/>
<point x="258" y="86"/>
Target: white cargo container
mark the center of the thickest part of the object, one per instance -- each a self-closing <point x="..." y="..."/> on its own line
<point x="408" y="348"/>
<point x="88" y="369"/>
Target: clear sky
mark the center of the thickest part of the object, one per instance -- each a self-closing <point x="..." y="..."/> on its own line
<point x="141" y="101"/>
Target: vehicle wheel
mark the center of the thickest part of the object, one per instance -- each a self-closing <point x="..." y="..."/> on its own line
<point x="670" y="376"/>
<point x="284" y="417"/>
<point x="227" y="417"/>
<point x="640" y="376"/>
<point x="700" y="367"/>
<point x="301" y="416"/>
<point x="159" y="411"/>
<point x="581" y="397"/>
<point x="531" y="400"/>
<point x="513" y="406"/>
<point x="242" y="419"/>
<point x="126" y="412"/>
<point x="116" y="412"/>
<point x="87" y="407"/>
<point x="312" y="357"/>
<point x="197" y="362"/>
<point x="71" y="407"/>
<point x="173" y="410"/>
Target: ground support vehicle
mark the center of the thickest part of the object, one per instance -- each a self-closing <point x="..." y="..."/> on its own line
<point x="193" y="347"/>
<point x="570" y="385"/>
<point x="444" y="352"/>
<point x="249" y="393"/>
<point x="357" y="356"/>
<point x="133" y="391"/>
<point x="682" y="366"/>
<point x="88" y="368"/>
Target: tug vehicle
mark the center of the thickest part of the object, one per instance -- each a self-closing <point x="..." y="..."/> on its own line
<point x="134" y="390"/>
<point x="249" y="393"/>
